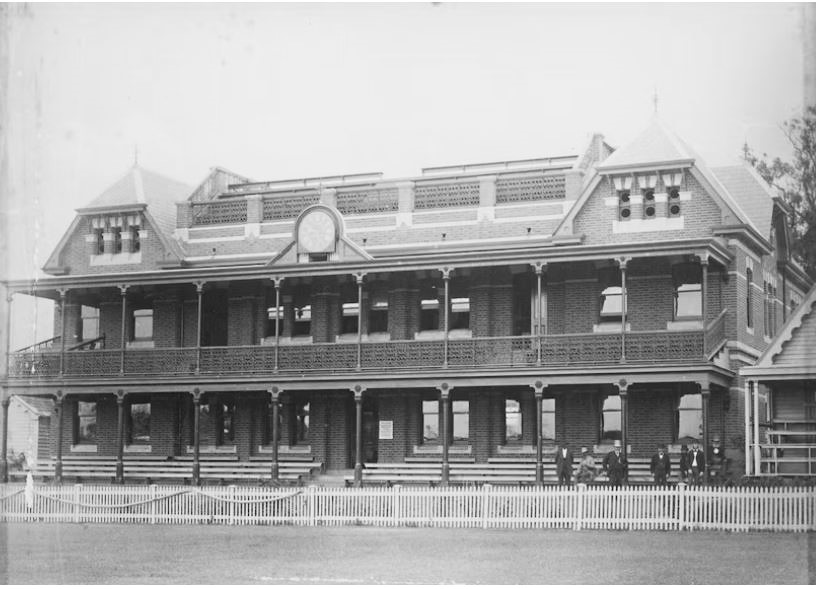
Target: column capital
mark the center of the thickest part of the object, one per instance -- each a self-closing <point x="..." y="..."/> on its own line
<point x="622" y="261"/>
<point x="10" y="296"/>
<point x="6" y="401"/>
<point x="277" y="281"/>
<point x="359" y="277"/>
<point x="539" y="267"/>
<point x="539" y="386"/>
<point x="199" y="284"/>
<point x="703" y="257"/>
<point x="63" y="292"/>
<point x="120" y="396"/>
<point x="358" y="391"/>
<point x="196" y="393"/>
<point x="275" y="392"/>
<point x="623" y="387"/>
<point x="705" y="388"/>
<point x="444" y="390"/>
<point x="446" y="272"/>
<point x="59" y="397"/>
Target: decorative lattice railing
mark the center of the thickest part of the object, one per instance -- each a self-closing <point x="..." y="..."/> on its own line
<point x="220" y="212"/>
<point x="289" y="205"/>
<point x="646" y="347"/>
<point x="530" y="188"/>
<point x="371" y="200"/>
<point x="435" y="196"/>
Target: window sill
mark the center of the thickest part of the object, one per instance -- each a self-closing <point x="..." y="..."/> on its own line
<point x="85" y="448"/>
<point x="438" y="334"/>
<point x="749" y="330"/>
<point x="138" y="449"/>
<point x="140" y="344"/>
<point x="284" y="449"/>
<point x="685" y="325"/>
<point x="212" y="449"/>
<point x="437" y="449"/>
<point x="514" y="450"/>
<point x="609" y="327"/>
<point x="607" y="448"/>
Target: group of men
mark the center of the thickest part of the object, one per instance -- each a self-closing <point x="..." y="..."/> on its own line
<point x="692" y="464"/>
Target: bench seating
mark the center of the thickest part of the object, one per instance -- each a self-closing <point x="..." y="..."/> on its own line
<point x="179" y="468"/>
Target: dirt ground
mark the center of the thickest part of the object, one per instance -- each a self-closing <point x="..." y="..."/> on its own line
<point x="137" y="554"/>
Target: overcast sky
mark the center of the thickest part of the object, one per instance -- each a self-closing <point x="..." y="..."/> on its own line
<point x="277" y="91"/>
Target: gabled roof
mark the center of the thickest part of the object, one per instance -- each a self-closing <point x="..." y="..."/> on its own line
<point x="792" y="353"/>
<point x="655" y="145"/>
<point x="140" y="187"/>
<point x="752" y="193"/>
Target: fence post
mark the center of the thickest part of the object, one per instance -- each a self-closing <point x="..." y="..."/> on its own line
<point x="579" y="505"/>
<point x="231" y="497"/>
<point x="312" y="500"/>
<point x="486" y="505"/>
<point x="153" y="504"/>
<point x="396" y="492"/>
<point x="681" y="505"/>
<point x="77" y="493"/>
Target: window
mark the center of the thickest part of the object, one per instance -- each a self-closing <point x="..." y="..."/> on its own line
<point x="774" y="323"/>
<point x="90" y="322"/>
<point x="524" y="305"/>
<point x="461" y="420"/>
<point x="117" y="239"/>
<point x="612" y="303"/>
<point x="100" y="241"/>
<point x="749" y="298"/>
<point x="672" y="182"/>
<point x="689" y="417"/>
<point x="302" y="422"/>
<point x="139" y="423"/>
<point x="271" y="319"/>
<point x="429" y="315"/>
<point x="611" y="419"/>
<point x="512" y="421"/>
<point x="319" y="257"/>
<point x="303" y="321"/>
<point x="430" y="421"/>
<point x="378" y="314"/>
<point x="85" y="422"/>
<point x="688" y="291"/>
<point x="460" y="313"/>
<point x="624" y="205"/>
<point x="350" y="319"/>
<point x="548" y="419"/>
<point x="766" y="288"/>
<point x="142" y="325"/>
<point x="225" y="431"/>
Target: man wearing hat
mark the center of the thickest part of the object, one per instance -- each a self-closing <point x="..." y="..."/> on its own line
<point x="661" y="465"/>
<point x="716" y="456"/>
<point x="615" y="465"/>
<point x="563" y="464"/>
<point x="696" y="462"/>
<point x="587" y="470"/>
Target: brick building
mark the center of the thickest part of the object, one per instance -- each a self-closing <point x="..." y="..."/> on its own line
<point x="475" y="311"/>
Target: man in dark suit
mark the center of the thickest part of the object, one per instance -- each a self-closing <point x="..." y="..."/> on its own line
<point x="615" y="465"/>
<point x="661" y="465"/>
<point x="563" y="464"/>
<point x="696" y="463"/>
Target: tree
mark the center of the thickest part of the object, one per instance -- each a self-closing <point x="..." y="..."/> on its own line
<point x="796" y="182"/>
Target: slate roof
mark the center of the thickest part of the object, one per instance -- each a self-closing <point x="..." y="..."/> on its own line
<point x="655" y="144"/>
<point x="751" y="192"/>
<point x="140" y="186"/>
<point x="37" y="405"/>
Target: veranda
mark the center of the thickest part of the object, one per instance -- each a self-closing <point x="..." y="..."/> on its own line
<point x="580" y="507"/>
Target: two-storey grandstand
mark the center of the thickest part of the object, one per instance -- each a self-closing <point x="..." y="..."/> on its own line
<point x="475" y="314"/>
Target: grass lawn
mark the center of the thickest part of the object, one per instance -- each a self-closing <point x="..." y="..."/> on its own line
<point x="106" y="553"/>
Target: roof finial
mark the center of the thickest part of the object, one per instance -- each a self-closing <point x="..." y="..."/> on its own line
<point x="654" y="99"/>
<point x="135" y="156"/>
<point x="746" y="151"/>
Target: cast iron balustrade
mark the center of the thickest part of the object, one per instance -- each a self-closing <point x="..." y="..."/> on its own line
<point x="586" y="349"/>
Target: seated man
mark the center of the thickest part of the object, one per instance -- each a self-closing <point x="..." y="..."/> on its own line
<point x="587" y="470"/>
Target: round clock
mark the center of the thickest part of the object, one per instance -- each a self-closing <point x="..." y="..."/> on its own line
<point x="317" y="232"/>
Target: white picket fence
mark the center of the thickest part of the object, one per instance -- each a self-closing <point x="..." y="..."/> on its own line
<point x="633" y="508"/>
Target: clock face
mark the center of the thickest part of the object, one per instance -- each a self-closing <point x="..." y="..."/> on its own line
<point x="316" y="232"/>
